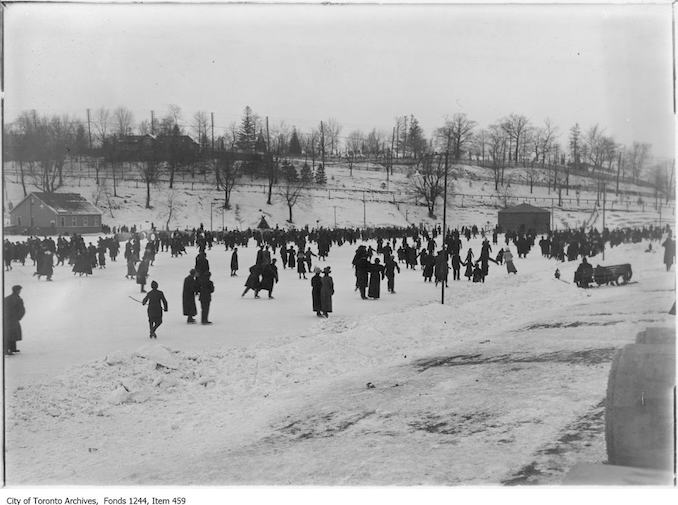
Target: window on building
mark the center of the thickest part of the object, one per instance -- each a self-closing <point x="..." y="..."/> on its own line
<point x="63" y="221"/>
<point x="19" y="220"/>
<point x="74" y="221"/>
<point x="84" y="221"/>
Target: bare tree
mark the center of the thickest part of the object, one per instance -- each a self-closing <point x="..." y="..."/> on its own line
<point x="515" y="126"/>
<point x="291" y="190"/>
<point x="171" y="206"/>
<point x="427" y="182"/>
<point x="332" y="130"/>
<point x="458" y="131"/>
<point x="638" y="158"/>
<point x="230" y="171"/>
<point x="123" y="121"/>
<point x="101" y="124"/>
<point x="354" y="146"/>
<point x="497" y="149"/>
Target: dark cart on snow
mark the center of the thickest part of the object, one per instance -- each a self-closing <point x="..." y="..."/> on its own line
<point x="613" y="274"/>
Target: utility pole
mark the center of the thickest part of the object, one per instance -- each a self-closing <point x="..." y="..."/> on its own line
<point x="364" y="213"/>
<point x="152" y="123"/>
<point x="89" y="130"/>
<point x="212" y="116"/>
<point x="335" y="216"/>
<point x="603" y="230"/>
<point x="442" y="294"/>
<point x="390" y="156"/>
<point x="322" y="145"/>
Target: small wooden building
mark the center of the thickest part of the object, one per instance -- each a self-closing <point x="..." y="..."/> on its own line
<point x="524" y="217"/>
<point x="54" y="213"/>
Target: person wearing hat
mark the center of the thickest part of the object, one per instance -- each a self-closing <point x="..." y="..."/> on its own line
<point x="234" y="262"/>
<point x="156" y="304"/>
<point x="191" y="288"/>
<point x="326" y="292"/>
<point x="206" y="290"/>
<point x="316" y="288"/>
<point x="14" y="311"/>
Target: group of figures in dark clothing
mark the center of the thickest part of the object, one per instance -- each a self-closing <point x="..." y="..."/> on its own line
<point x="370" y="271"/>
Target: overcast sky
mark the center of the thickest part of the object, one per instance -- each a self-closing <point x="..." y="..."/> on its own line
<point x="363" y="65"/>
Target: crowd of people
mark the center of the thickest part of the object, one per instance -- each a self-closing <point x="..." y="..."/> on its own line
<point x="412" y="247"/>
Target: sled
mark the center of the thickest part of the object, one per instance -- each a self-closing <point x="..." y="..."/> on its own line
<point x="604" y="275"/>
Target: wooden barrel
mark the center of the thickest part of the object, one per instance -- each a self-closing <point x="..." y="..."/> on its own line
<point x="639" y="413"/>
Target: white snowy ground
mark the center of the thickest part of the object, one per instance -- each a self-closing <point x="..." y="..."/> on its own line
<point x="502" y="384"/>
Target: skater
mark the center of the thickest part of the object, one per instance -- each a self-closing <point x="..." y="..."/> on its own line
<point x="468" y="273"/>
<point x="131" y="270"/>
<point x="202" y="265"/>
<point x="316" y="286"/>
<point x="326" y="292"/>
<point x="376" y="276"/>
<point x="669" y="246"/>
<point x="252" y="281"/>
<point x="269" y="277"/>
<point x="191" y="288"/>
<point x="301" y="264"/>
<point x="45" y="265"/>
<point x="456" y="265"/>
<point x="13" y="312"/>
<point x="234" y="263"/>
<point x="157" y="303"/>
<point x="362" y="269"/>
<point x="442" y="269"/>
<point x="206" y="290"/>
<point x="390" y="266"/>
<point x="508" y="259"/>
<point x="142" y="274"/>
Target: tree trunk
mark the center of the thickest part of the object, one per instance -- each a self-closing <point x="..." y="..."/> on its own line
<point x="148" y="193"/>
<point x="171" y="179"/>
<point x="290" y="208"/>
<point x="23" y="177"/>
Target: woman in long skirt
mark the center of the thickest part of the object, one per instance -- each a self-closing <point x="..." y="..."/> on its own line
<point x="508" y="259"/>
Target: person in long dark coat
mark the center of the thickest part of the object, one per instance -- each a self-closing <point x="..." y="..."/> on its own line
<point x="669" y="246"/>
<point x="45" y="265"/>
<point x="362" y="270"/>
<point x="316" y="285"/>
<point x="191" y="288"/>
<point x="206" y="290"/>
<point x="291" y="257"/>
<point x="376" y="276"/>
<point x="252" y="281"/>
<point x="301" y="264"/>
<point x="234" y="263"/>
<point x="428" y="264"/>
<point x="142" y="274"/>
<point x="456" y="265"/>
<point x="131" y="269"/>
<point x="14" y="311"/>
<point x="283" y="255"/>
<point x="326" y="292"/>
<point x="157" y="303"/>
<point x="269" y="276"/>
<point x="202" y="265"/>
<point x="442" y="269"/>
<point x="390" y="266"/>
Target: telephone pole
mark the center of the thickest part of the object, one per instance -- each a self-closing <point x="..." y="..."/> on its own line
<point x="322" y="145"/>
<point x="442" y="295"/>
<point x="89" y="130"/>
<point x="152" y="124"/>
<point x="603" y="230"/>
<point x="212" y="115"/>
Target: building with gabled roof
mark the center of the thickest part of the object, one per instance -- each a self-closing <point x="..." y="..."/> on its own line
<point x="54" y="213"/>
<point x="524" y="217"/>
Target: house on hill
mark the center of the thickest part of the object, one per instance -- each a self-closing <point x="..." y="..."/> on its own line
<point x="53" y="213"/>
<point x="524" y="217"/>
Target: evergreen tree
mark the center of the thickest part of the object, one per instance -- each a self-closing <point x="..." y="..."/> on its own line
<point x="289" y="171"/>
<point x="247" y="134"/>
<point x="320" y="177"/>
<point x="306" y="173"/>
<point x="416" y="139"/>
<point x="295" y="145"/>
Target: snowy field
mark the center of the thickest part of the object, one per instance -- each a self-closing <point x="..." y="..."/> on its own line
<point x="502" y="384"/>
